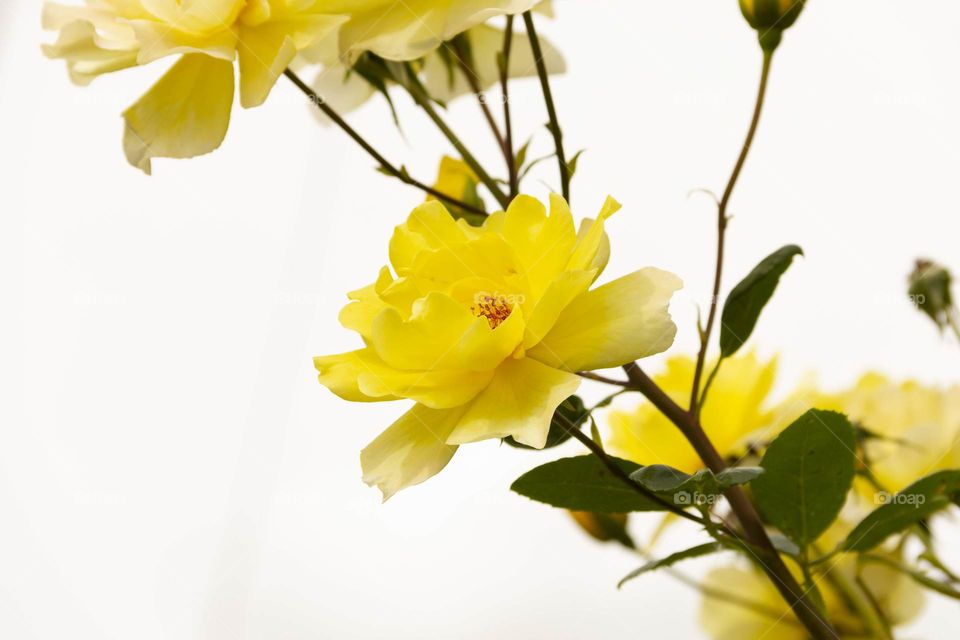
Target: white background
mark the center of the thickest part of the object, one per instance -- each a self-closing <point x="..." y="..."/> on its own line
<point x="169" y="467"/>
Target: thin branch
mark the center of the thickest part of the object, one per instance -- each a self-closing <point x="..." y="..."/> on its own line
<point x="589" y="375"/>
<point x="507" y="118"/>
<point x="551" y="109"/>
<point x="464" y="61"/>
<point x="383" y="162"/>
<point x="768" y="559"/>
<point x="408" y="80"/>
<point x="722" y="230"/>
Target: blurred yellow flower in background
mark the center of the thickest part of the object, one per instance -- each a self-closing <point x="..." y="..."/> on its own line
<point x="736" y="411"/>
<point x="756" y="611"/>
<point x="486" y="328"/>
<point x="918" y="427"/>
<point x="187" y="112"/>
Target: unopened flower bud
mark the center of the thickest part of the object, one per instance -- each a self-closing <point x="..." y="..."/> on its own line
<point x="771" y="18"/>
<point x="930" y="286"/>
<point x="605" y="527"/>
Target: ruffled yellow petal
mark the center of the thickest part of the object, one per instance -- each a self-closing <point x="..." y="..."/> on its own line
<point x="411" y="29"/>
<point x="366" y="306"/>
<point x="612" y="325"/>
<point x="341" y="374"/>
<point x="519" y="402"/>
<point x="561" y="292"/>
<point x="593" y="248"/>
<point x="78" y="45"/>
<point x="158" y="40"/>
<point x="185" y="114"/>
<point x="265" y="50"/>
<point x="541" y="243"/>
<point x="196" y="17"/>
<point x="411" y="450"/>
<point x="429" y="340"/>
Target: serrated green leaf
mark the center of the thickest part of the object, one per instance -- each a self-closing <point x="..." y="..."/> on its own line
<point x="744" y="304"/>
<point x="809" y="469"/>
<point x="900" y="511"/>
<point x="687" y="554"/>
<point x="583" y="483"/>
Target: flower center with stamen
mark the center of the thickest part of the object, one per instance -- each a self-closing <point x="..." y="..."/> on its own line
<point x="494" y="309"/>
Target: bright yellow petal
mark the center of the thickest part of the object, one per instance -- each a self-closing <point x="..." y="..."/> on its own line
<point x="158" y="40"/>
<point x="266" y="50"/>
<point x="77" y="44"/>
<point x="612" y="325"/>
<point x="430" y="226"/>
<point x="541" y="243"/>
<point x="366" y="306"/>
<point x="185" y="114"/>
<point x="592" y="243"/>
<point x="519" y="402"/>
<point x="561" y="292"/>
<point x="429" y="340"/>
<point x="411" y="450"/>
<point x="341" y="374"/>
<point x="198" y="17"/>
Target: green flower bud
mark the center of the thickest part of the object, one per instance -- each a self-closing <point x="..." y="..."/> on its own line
<point x="930" y="291"/>
<point x="771" y="18"/>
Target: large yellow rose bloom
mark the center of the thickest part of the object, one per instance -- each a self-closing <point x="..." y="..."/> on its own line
<point x="187" y="112"/>
<point x="485" y="329"/>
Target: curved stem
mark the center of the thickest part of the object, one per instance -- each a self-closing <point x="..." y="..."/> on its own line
<point x="409" y="81"/>
<point x="722" y="230"/>
<point x="551" y="109"/>
<point x="507" y="118"/>
<point x="465" y="63"/>
<point x="383" y="162"/>
<point x="766" y="554"/>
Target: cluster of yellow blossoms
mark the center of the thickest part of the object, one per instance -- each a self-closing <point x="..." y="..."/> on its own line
<point x="910" y="430"/>
<point x="187" y="112"/>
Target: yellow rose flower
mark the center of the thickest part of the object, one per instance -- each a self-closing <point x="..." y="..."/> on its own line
<point x="345" y="90"/>
<point x="411" y="29"/>
<point x="919" y="427"/>
<point x="485" y="328"/>
<point x="187" y="112"/>
<point x="735" y="414"/>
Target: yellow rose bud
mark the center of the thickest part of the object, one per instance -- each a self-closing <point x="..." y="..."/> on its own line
<point x="771" y="18"/>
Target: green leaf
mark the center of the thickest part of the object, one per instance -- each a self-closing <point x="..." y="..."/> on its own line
<point x="920" y="500"/>
<point x="583" y="483"/>
<point x="521" y="157"/>
<point x="747" y="300"/>
<point x="738" y="475"/>
<point x="569" y="416"/>
<point x="572" y="163"/>
<point x="672" y="559"/>
<point x="808" y="472"/>
<point x="660" y="478"/>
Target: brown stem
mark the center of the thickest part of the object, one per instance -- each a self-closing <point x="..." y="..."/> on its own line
<point x="383" y="162"/>
<point x="722" y="229"/>
<point x="768" y="558"/>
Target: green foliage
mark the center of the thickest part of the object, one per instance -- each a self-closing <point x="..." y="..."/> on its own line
<point x="917" y="502"/>
<point x="694" y="552"/>
<point x="742" y="308"/>
<point x="583" y="483"/>
<point x="660" y="478"/>
<point x="809" y="471"/>
<point x="569" y="416"/>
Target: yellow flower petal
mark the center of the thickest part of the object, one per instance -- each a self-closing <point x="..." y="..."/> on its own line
<point x="264" y="51"/>
<point x="86" y="59"/>
<point x="158" y="40"/>
<point x="185" y="114"/>
<point x="612" y="325"/>
<point x="341" y="374"/>
<point x="519" y="402"/>
<point x="411" y="29"/>
<point x="366" y="306"/>
<point x="411" y="450"/>
<point x="593" y="248"/>
<point x="197" y="17"/>
<point x="429" y="340"/>
<point x="560" y="293"/>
